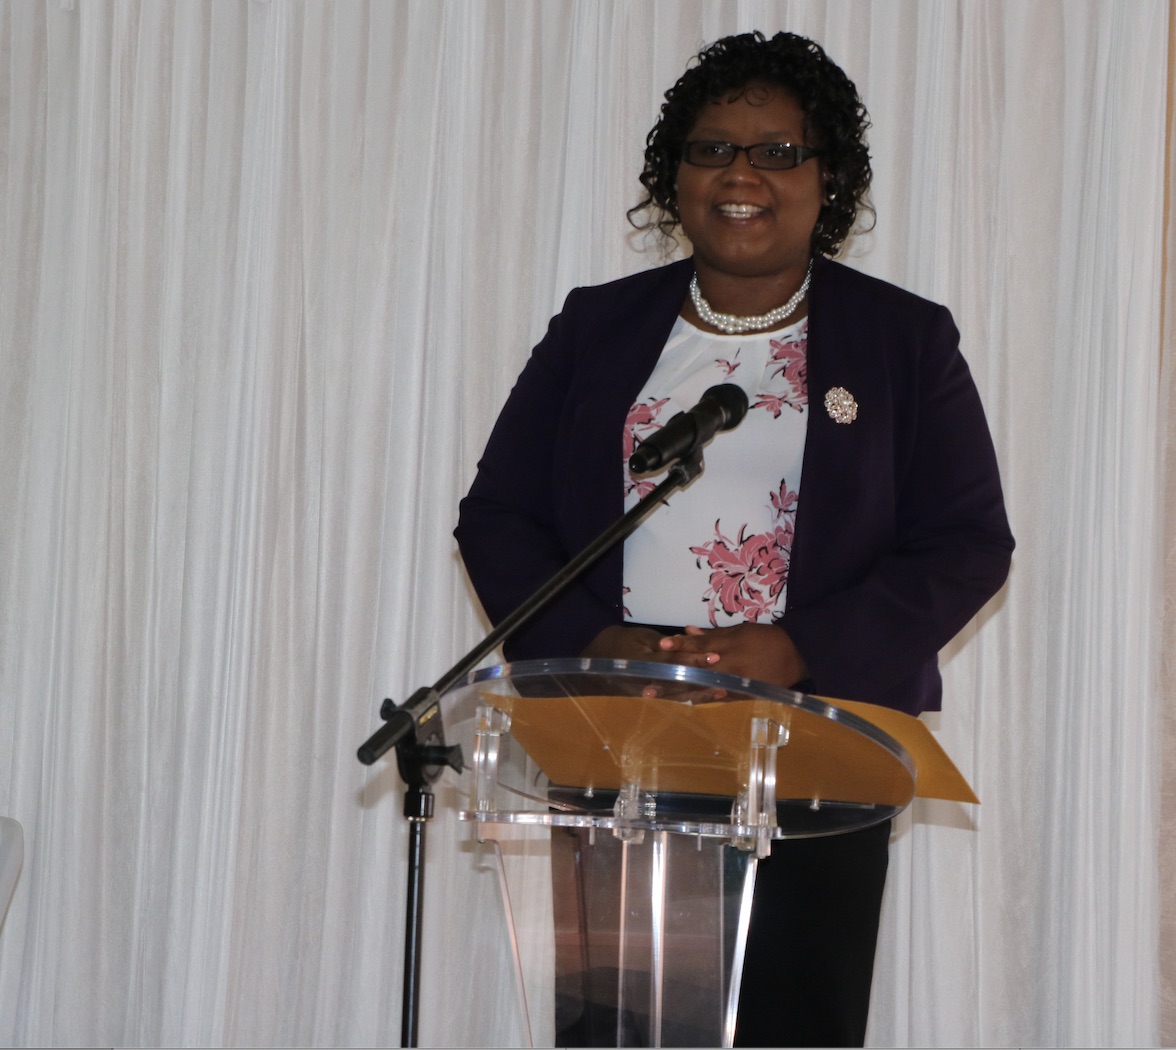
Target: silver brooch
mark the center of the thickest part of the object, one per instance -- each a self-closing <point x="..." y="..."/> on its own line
<point x="840" y="405"/>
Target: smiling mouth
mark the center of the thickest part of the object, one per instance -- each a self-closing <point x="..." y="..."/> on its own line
<point x="741" y="211"/>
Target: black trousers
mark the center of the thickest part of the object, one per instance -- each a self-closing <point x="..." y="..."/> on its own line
<point x="811" y="941"/>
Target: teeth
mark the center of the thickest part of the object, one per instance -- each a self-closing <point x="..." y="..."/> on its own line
<point x="740" y="211"/>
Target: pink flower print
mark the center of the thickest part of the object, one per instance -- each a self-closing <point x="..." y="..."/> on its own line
<point x="789" y="364"/>
<point x="784" y="510"/>
<point x="784" y="504"/>
<point x="789" y="353"/>
<point x="776" y="403"/>
<point x="641" y="421"/>
<point x="728" y="367"/>
<point x="748" y="574"/>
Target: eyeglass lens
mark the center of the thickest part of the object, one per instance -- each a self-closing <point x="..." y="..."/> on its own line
<point x="775" y="156"/>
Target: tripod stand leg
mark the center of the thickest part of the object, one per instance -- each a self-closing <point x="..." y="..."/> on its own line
<point x="418" y="808"/>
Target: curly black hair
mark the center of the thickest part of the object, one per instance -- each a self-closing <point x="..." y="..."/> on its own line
<point x="835" y="122"/>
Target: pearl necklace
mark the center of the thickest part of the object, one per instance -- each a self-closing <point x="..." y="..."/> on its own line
<point x="732" y="324"/>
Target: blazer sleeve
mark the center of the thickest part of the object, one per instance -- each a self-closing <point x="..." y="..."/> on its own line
<point x="549" y="481"/>
<point x="912" y="537"/>
<point x="509" y="531"/>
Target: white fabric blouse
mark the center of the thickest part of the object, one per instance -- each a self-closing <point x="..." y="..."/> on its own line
<point x="717" y="553"/>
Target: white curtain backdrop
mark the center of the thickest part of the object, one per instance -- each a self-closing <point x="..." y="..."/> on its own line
<point x="267" y="272"/>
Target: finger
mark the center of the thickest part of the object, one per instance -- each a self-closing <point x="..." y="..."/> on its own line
<point x="711" y="696"/>
<point x="684" y="643"/>
<point x="688" y="655"/>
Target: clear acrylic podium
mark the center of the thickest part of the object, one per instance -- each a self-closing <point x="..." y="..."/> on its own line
<point x="627" y="804"/>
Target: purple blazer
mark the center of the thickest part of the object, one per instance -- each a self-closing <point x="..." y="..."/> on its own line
<point x="901" y="533"/>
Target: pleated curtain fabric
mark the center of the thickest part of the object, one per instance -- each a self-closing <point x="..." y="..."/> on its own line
<point x="268" y="271"/>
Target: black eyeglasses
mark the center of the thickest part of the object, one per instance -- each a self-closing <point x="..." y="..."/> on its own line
<point x="771" y="156"/>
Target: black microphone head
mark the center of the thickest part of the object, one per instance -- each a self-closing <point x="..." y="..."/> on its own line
<point x="731" y="400"/>
<point x="720" y="408"/>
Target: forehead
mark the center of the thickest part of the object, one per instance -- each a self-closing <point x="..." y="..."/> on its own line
<point x="758" y="108"/>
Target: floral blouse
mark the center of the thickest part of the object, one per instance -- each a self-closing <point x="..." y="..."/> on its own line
<point x="717" y="553"/>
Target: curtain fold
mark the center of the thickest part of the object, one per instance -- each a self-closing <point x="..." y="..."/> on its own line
<point x="269" y="271"/>
<point x="1168" y="662"/>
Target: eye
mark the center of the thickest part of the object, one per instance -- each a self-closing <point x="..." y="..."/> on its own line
<point x="710" y="151"/>
<point x="776" y="152"/>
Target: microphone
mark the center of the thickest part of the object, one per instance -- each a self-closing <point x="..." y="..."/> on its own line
<point x="720" y="408"/>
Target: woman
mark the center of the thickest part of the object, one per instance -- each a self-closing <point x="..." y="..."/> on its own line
<point x="838" y="538"/>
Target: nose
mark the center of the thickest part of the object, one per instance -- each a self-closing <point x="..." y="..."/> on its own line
<point x="741" y="168"/>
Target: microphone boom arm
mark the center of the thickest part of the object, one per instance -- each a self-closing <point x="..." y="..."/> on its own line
<point x="420" y="708"/>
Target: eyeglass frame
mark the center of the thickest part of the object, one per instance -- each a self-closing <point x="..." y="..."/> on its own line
<point x="801" y="153"/>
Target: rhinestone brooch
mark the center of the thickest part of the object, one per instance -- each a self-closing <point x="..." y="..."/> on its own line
<point x="840" y="405"/>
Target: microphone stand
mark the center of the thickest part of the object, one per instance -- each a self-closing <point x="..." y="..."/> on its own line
<point x="414" y="728"/>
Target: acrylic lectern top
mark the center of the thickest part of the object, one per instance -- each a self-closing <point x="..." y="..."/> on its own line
<point x="648" y="746"/>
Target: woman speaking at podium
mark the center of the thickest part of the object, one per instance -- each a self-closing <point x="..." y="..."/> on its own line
<point x="837" y="539"/>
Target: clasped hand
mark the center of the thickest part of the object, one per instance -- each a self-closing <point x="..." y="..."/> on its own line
<point x="761" y="651"/>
